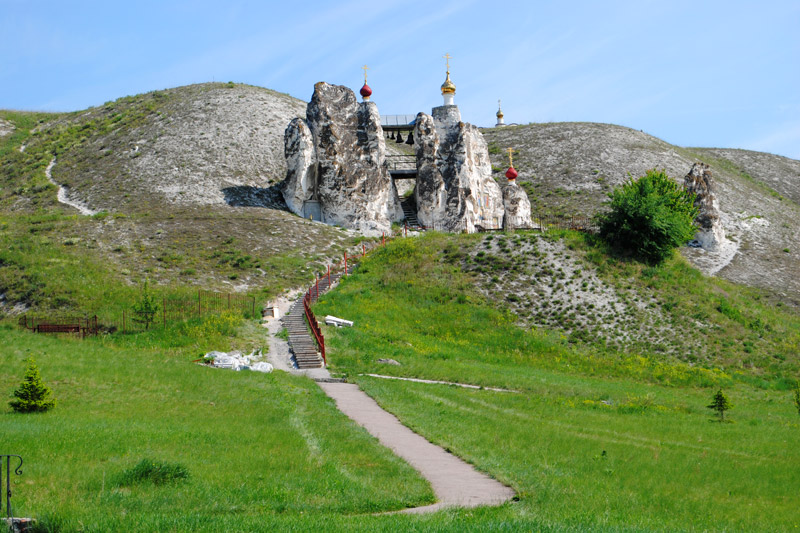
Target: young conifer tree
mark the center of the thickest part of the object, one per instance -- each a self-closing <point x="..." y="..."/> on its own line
<point x="720" y="404"/>
<point x="145" y="308"/>
<point x="32" y="395"/>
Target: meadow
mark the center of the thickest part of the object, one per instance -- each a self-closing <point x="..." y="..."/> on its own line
<point x="591" y="440"/>
<point x="260" y="449"/>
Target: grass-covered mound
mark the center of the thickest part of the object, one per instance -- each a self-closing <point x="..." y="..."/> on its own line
<point x="595" y="439"/>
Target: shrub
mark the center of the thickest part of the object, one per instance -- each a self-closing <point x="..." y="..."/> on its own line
<point x="32" y="395"/>
<point x="155" y="472"/>
<point x="797" y="398"/>
<point x="649" y="217"/>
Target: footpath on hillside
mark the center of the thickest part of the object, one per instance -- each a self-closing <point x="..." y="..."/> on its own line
<point x="455" y="482"/>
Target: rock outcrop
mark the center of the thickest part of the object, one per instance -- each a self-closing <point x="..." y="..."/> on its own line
<point x="710" y="233"/>
<point x="517" y="207"/>
<point x="455" y="189"/>
<point x="337" y="166"/>
<point x="299" y="186"/>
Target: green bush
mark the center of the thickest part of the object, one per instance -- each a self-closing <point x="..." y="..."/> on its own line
<point x="155" y="472"/>
<point x="649" y="217"/>
<point x="32" y="395"/>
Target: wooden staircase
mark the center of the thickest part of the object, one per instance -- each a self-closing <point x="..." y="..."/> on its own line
<point x="301" y="342"/>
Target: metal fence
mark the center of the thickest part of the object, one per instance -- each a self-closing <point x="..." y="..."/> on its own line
<point x="127" y="320"/>
<point x="544" y="222"/>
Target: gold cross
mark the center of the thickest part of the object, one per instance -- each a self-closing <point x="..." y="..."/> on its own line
<point x="447" y="58"/>
<point x="510" y="159"/>
<point x="365" y="73"/>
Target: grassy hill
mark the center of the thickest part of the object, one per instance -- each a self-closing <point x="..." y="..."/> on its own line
<point x="183" y="186"/>
<point x="596" y="438"/>
<point x="613" y="362"/>
<point x="569" y="168"/>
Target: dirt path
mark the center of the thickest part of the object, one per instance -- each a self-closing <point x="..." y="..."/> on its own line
<point x="455" y="482"/>
<point x="64" y="191"/>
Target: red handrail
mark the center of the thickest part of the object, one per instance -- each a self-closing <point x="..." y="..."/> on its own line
<point x="312" y="295"/>
<point x="314" y="325"/>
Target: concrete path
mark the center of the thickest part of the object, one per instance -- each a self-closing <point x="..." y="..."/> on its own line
<point x="437" y="382"/>
<point x="455" y="483"/>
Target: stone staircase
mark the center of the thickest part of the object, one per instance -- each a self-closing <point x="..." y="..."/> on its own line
<point x="410" y="212"/>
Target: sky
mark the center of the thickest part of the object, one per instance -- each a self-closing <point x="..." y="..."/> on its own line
<point x="693" y="73"/>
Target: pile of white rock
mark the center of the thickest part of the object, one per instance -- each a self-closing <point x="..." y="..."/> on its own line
<point x="237" y="361"/>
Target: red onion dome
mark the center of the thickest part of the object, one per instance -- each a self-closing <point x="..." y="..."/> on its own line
<point x="366" y="92"/>
<point x="511" y="173"/>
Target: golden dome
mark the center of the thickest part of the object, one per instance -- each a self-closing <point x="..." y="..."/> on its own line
<point x="448" y="87"/>
<point x="499" y="113"/>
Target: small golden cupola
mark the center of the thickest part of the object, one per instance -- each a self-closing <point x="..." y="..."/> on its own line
<point x="500" y="121"/>
<point x="448" y="87"/>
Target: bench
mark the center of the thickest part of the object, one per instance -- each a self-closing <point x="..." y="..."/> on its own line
<point x="58" y="328"/>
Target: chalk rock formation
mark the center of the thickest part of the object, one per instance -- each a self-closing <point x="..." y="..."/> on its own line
<point x="455" y="189"/>
<point x="301" y="179"/>
<point x="699" y="181"/>
<point x="517" y="207"/>
<point x="340" y="164"/>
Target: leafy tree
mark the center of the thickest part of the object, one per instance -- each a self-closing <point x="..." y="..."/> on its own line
<point x="649" y="217"/>
<point x="32" y="395"/>
<point x="146" y="307"/>
<point x="720" y="404"/>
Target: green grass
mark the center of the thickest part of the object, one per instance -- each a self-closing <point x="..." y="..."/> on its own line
<point x="654" y="459"/>
<point x="256" y="448"/>
<point x="667" y="465"/>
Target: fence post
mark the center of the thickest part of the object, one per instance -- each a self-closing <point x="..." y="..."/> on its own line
<point x="329" y="276"/>
<point x="405" y="229"/>
<point x="363" y="249"/>
<point x="316" y="283"/>
<point x="345" y="263"/>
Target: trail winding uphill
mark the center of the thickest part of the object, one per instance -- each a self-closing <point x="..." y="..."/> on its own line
<point x="63" y="192"/>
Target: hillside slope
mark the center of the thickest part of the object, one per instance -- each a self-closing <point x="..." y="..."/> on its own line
<point x="180" y="182"/>
<point x="201" y="144"/>
<point x="172" y="157"/>
<point x="569" y="168"/>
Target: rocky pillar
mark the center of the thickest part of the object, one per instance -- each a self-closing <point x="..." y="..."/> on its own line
<point x="300" y="183"/>
<point x="517" y="207"/>
<point x="710" y="232"/>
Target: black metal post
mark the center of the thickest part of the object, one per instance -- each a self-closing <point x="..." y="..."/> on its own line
<point x="17" y="471"/>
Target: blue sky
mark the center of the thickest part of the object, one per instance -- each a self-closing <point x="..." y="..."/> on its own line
<point x="694" y="73"/>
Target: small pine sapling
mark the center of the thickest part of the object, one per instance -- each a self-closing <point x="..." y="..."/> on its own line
<point x="32" y="395"/>
<point x="146" y="308"/>
<point x="720" y="404"/>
